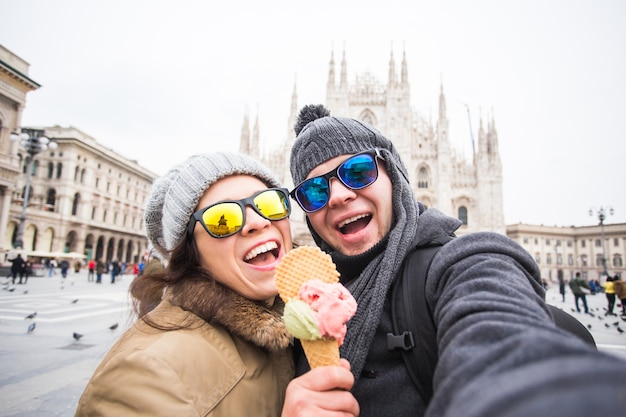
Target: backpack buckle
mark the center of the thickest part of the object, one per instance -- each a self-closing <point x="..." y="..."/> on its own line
<point x="404" y="341"/>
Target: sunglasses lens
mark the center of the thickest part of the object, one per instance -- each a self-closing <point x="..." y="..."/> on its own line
<point x="358" y="172"/>
<point x="273" y="204"/>
<point x="223" y="219"/>
<point x="313" y="194"/>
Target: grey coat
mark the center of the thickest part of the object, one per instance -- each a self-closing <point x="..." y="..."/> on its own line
<point x="500" y="353"/>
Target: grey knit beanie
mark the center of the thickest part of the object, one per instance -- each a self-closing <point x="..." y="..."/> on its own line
<point x="322" y="137"/>
<point x="175" y="195"/>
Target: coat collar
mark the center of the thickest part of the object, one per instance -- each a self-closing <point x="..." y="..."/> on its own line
<point x="255" y="322"/>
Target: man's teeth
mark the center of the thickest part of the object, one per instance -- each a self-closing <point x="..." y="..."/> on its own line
<point x="266" y="247"/>
<point x="350" y="220"/>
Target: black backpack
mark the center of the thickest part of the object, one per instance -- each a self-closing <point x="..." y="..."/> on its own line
<point x="413" y="321"/>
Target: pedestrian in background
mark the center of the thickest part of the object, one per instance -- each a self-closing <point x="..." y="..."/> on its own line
<point x="52" y="264"/>
<point x="562" y="286"/>
<point x="17" y="268"/>
<point x="580" y="288"/>
<point x="609" y="291"/>
<point x="28" y="270"/>
<point x="620" y="292"/>
<point x="65" y="265"/>
<point x="91" y="270"/>
<point x="115" y="270"/>
<point x="100" y="267"/>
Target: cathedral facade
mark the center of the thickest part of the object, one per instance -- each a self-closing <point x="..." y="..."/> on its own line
<point x="470" y="190"/>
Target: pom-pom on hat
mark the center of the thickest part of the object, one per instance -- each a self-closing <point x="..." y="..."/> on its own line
<point x="321" y="137"/>
<point x="175" y="195"/>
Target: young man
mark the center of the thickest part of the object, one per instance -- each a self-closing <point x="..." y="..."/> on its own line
<point x="578" y="286"/>
<point x="499" y="351"/>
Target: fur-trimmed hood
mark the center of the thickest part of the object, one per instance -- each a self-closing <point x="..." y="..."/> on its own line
<point x="254" y="321"/>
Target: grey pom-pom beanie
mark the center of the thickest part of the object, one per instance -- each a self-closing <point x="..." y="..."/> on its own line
<point x="326" y="137"/>
<point x="175" y="195"/>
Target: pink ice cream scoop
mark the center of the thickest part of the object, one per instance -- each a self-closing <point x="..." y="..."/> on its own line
<point x="333" y="306"/>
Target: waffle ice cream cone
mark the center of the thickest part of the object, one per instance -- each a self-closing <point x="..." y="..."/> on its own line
<point x="308" y="264"/>
<point x="300" y="265"/>
<point x="322" y="352"/>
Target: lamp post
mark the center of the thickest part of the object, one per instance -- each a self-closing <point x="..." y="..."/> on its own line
<point x="34" y="142"/>
<point x="602" y="214"/>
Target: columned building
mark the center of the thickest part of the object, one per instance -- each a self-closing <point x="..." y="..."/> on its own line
<point x="14" y="85"/>
<point x="470" y="190"/>
<point x="563" y="251"/>
<point x="85" y="198"/>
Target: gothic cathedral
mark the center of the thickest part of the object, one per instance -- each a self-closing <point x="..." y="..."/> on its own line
<point x="468" y="190"/>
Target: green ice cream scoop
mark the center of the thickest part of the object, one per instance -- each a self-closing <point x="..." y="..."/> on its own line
<point x="300" y="320"/>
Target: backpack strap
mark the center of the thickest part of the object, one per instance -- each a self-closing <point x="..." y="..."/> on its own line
<point x="413" y="322"/>
<point x="567" y="322"/>
<point x="409" y="310"/>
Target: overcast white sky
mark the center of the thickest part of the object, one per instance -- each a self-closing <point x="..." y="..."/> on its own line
<point x="159" y="80"/>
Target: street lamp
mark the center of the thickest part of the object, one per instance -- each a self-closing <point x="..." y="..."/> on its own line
<point x="602" y="214"/>
<point x="34" y="142"/>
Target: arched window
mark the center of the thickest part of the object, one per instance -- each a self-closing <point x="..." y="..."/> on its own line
<point x="30" y="193"/>
<point x="59" y="170"/>
<point x="25" y="166"/>
<point x="422" y="178"/>
<point x="463" y="215"/>
<point x="82" y="176"/>
<point x="50" y="170"/>
<point x="75" y="204"/>
<point x="51" y="199"/>
<point x="76" y="171"/>
<point x="617" y="261"/>
<point x="599" y="259"/>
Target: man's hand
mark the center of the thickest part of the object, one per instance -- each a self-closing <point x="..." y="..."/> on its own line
<point x="322" y="392"/>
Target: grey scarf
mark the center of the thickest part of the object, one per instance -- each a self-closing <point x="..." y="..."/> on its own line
<point x="371" y="286"/>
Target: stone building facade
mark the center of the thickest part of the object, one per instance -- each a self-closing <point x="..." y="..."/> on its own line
<point x="14" y="85"/>
<point x="85" y="198"/>
<point x="563" y="251"/>
<point x="468" y="190"/>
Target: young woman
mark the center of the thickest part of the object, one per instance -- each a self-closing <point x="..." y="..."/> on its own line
<point x="209" y="340"/>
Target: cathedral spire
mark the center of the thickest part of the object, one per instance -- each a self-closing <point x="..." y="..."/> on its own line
<point x="393" y="80"/>
<point x="255" y="146"/>
<point x="294" y="98"/>
<point x="404" y="77"/>
<point x="244" y="140"/>
<point x="344" y="70"/>
<point x="442" y="103"/>
<point x="492" y="137"/>
<point x="482" y="137"/>
<point x="331" y="71"/>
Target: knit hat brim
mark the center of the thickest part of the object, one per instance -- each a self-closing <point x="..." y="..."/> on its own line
<point x="175" y="195"/>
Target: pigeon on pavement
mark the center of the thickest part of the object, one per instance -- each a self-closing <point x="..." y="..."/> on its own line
<point x="31" y="316"/>
<point x="77" y="336"/>
<point x="113" y="326"/>
<point x="31" y="327"/>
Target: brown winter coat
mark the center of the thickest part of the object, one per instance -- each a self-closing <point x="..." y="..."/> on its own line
<point x="620" y="289"/>
<point x="202" y="370"/>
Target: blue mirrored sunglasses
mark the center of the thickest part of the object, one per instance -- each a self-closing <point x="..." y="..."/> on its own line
<point x="356" y="172"/>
